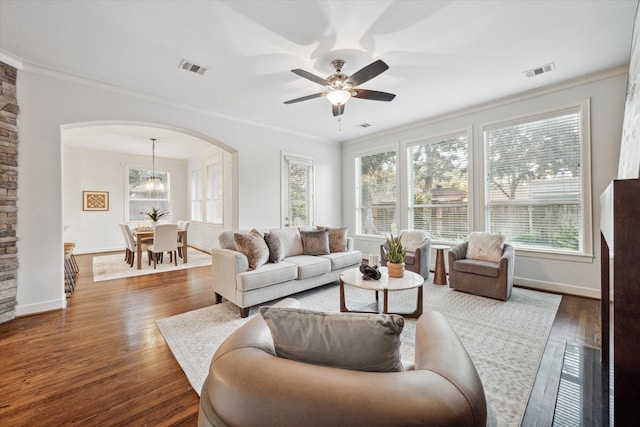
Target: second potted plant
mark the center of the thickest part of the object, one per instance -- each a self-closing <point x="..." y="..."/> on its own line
<point x="395" y="256"/>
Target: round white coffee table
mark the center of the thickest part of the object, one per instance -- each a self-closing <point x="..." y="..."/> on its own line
<point x="410" y="280"/>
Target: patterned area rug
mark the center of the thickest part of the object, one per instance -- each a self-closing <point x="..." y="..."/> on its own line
<point x="109" y="267"/>
<point x="505" y="339"/>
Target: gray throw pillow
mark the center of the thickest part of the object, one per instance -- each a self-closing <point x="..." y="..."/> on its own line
<point x="276" y="249"/>
<point x="337" y="238"/>
<point x="315" y="242"/>
<point x="252" y="245"/>
<point x="357" y="341"/>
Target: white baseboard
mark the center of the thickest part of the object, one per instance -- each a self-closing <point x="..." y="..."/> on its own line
<point x="24" y="310"/>
<point x="560" y="288"/>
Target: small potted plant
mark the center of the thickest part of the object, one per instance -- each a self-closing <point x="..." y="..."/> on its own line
<point x="155" y="214"/>
<point x="395" y="256"/>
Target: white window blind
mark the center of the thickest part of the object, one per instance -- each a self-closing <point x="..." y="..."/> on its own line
<point x="196" y="186"/>
<point x="143" y="200"/>
<point x="214" y="192"/>
<point x="533" y="185"/>
<point x="376" y="193"/>
<point x="437" y="178"/>
<point x="297" y="191"/>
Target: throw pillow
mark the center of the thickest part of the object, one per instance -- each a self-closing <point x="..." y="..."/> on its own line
<point x="276" y="250"/>
<point x="485" y="246"/>
<point x="337" y="238"/>
<point x="412" y="239"/>
<point x="363" y="342"/>
<point x="315" y="242"/>
<point x="291" y="240"/>
<point x="252" y="244"/>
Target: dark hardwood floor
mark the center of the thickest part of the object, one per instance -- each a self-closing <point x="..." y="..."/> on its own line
<point x="102" y="361"/>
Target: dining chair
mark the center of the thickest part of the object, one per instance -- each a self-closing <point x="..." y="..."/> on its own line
<point x="165" y="239"/>
<point x="132" y="245"/>
<point x="182" y="225"/>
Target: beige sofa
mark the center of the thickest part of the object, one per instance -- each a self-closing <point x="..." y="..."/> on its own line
<point x="233" y="280"/>
<point x="249" y="385"/>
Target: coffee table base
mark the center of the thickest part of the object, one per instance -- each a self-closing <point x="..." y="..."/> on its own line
<point x="385" y="304"/>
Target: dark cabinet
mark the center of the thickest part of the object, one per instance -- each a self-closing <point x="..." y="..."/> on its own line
<point x="620" y="281"/>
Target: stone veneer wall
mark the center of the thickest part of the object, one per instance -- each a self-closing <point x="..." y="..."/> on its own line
<point x="8" y="192"/>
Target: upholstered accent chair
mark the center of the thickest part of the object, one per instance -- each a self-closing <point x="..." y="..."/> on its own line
<point x="482" y="266"/>
<point x="251" y="384"/>
<point x="418" y="246"/>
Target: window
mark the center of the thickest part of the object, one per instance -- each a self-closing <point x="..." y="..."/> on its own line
<point x="437" y="180"/>
<point x="214" y="192"/>
<point x="143" y="200"/>
<point x="376" y="193"/>
<point x="534" y="182"/>
<point x="297" y="191"/>
<point x="196" y="185"/>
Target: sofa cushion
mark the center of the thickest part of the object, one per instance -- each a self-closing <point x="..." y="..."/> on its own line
<point x="276" y="250"/>
<point x="343" y="259"/>
<point x="291" y="240"/>
<point x="267" y="275"/>
<point x="329" y="339"/>
<point x="337" y="238"/>
<point x="485" y="246"/>
<point x="413" y="239"/>
<point x="253" y="246"/>
<point x="315" y="242"/>
<point x="309" y="265"/>
<point x="474" y="266"/>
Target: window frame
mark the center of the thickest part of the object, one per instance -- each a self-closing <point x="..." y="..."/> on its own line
<point x="431" y="139"/>
<point x="583" y="110"/>
<point x="285" y="160"/>
<point x="206" y="192"/>
<point x="399" y="189"/>
<point x="128" y="199"/>
<point x="200" y="192"/>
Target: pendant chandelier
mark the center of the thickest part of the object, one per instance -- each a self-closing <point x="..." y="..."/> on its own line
<point x="154" y="183"/>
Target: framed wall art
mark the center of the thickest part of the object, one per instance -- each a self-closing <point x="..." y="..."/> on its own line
<point x="95" y="200"/>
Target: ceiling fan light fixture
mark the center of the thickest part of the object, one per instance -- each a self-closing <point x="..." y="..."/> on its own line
<point x="339" y="97"/>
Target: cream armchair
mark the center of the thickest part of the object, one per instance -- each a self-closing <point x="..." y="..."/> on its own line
<point x="418" y="246"/>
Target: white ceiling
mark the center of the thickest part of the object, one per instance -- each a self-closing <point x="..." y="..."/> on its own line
<point x="442" y="55"/>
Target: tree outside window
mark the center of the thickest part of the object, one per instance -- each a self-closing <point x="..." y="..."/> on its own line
<point x="377" y="195"/>
<point x="142" y="199"/>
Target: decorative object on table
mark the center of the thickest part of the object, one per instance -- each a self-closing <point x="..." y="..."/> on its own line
<point x="369" y="272"/>
<point x="395" y="256"/>
<point x="417" y="245"/>
<point x="374" y="260"/>
<point x="95" y="200"/>
<point x="155" y="214"/>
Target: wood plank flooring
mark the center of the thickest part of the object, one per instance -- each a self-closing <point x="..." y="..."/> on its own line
<point x="102" y="361"/>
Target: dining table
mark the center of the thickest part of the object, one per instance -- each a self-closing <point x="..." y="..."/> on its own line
<point x="142" y="233"/>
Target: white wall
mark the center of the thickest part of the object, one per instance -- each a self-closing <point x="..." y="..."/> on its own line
<point x="90" y="170"/>
<point x="606" y="93"/>
<point x="48" y="101"/>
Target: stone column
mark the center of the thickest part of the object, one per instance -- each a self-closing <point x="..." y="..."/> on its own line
<point x="8" y="192"/>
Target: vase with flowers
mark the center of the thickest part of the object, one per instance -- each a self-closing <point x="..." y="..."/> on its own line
<point x="395" y="256"/>
<point x="155" y="215"/>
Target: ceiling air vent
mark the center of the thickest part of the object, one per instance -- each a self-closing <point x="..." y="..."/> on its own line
<point x="364" y="125"/>
<point x="539" y="70"/>
<point x="190" y="66"/>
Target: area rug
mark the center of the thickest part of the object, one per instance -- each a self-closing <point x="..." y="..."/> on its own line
<point x="506" y="340"/>
<point x="109" y="267"/>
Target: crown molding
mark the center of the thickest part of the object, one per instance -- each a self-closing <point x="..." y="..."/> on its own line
<point x="11" y="60"/>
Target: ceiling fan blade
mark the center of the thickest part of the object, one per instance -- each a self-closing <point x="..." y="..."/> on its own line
<point x="373" y="95"/>
<point x="307" y="75"/>
<point x="367" y="73"/>
<point x="337" y="109"/>
<point x="305" y="98"/>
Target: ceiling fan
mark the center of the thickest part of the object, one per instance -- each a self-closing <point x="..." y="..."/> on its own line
<point x="342" y="87"/>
